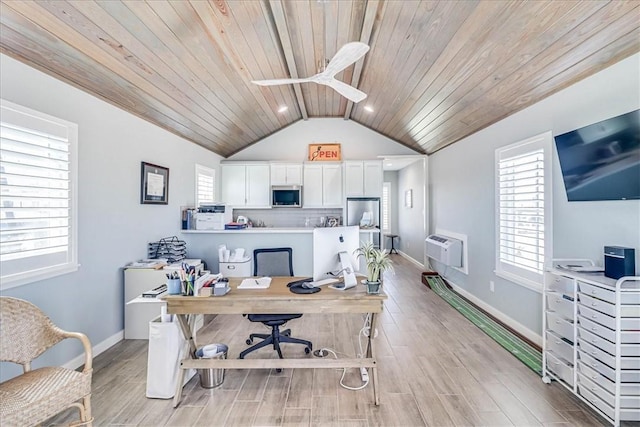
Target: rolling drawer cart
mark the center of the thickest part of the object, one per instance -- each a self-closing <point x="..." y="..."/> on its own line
<point x="591" y="338"/>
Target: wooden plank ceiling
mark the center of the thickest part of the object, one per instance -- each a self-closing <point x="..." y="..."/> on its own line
<point x="436" y="72"/>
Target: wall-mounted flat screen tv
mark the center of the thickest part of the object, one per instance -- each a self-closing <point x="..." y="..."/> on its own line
<point x="602" y="161"/>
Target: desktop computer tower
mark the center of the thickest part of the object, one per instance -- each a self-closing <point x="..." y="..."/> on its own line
<point x="619" y="262"/>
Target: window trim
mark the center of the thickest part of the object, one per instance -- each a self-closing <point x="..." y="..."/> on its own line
<point x="72" y="264"/>
<point x="541" y="141"/>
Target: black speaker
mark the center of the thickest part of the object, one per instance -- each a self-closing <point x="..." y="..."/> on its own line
<point x="619" y="262"/>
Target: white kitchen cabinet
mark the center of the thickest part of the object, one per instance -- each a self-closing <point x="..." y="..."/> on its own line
<point x="246" y="185"/>
<point x="590" y="339"/>
<point x="286" y="174"/>
<point x="322" y="185"/>
<point x="363" y="178"/>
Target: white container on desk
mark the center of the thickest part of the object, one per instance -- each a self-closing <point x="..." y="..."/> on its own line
<point x="236" y="268"/>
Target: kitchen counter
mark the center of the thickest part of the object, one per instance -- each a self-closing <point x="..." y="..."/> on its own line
<point x="269" y="230"/>
<point x="204" y="244"/>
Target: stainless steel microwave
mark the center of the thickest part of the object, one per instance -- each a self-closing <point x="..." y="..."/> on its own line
<point x="286" y="196"/>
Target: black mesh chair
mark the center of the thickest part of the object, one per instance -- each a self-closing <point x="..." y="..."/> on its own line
<point x="273" y="262"/>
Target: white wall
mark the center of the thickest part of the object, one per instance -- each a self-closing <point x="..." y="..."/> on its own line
<point x="462" y="196"/>
<point x="292" y="143"/>
<point x="412" y="221"/>
<point x="114" y="227"/>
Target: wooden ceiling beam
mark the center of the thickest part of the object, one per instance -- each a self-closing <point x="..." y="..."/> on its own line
<point x="285" y="41"/>
<point x="365" y="37"/>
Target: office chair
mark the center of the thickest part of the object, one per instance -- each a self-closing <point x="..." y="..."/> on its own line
<point x="273" y="262"/>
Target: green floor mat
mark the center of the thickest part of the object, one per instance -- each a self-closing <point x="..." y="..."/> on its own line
<point x="527" y="354"/>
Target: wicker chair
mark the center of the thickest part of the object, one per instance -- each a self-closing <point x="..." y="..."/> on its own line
<point x="39" y="394"/>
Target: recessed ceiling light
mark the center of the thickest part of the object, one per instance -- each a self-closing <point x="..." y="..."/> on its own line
<point x="368" y="109"/>
<point x="283" y="109"/>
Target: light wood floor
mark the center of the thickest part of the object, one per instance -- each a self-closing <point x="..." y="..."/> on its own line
<point x="435" y="369"/>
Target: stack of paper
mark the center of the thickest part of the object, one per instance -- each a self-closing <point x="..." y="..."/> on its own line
<point x="261" y="283"/>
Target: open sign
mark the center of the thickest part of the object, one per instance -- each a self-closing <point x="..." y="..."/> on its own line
<point x="324" y="152"/>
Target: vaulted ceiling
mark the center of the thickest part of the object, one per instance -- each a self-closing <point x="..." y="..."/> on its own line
<point x="437" y="71"/>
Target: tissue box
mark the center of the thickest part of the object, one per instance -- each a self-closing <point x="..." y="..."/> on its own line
<point x="236" y="268"/>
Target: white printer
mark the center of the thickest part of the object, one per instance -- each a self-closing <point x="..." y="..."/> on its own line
<point x="213" y="216"/>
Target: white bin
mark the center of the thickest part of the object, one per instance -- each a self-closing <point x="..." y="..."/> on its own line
<point x="237" y="268"/>
<point x="166" y="348"/>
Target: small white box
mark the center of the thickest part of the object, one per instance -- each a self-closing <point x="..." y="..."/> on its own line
<point x="236" y="268"/>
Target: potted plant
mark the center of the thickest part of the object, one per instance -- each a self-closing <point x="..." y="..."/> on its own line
<point x="377" y="262"/>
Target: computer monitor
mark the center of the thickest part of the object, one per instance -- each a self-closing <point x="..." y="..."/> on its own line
<point x="327" y="244"/>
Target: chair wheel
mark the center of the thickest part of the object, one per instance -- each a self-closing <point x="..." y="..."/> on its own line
<point x="278" y="370"/>
<point x="307" y="350"/>
<point x="249" y="341"/>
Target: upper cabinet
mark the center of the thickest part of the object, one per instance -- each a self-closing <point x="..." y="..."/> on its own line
<point x="246" y="185"/>
<point x="286" y="174"/>
<point x="322" y="185"/>
<point x="363" y="178"/>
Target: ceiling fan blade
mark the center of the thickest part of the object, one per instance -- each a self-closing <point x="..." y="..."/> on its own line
<point x="275" y="82"/>
<point x="349" y="92"/>
<point x="347" y="55"/>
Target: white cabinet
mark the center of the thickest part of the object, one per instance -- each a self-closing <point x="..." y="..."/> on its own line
<point x="286" y="174"/>
<point x="138" y="316"/>
<point x="591" y="342"/>
<point x="246" y="185"/>
<point x="322" y="185"/>
<point x="363" y="178"/>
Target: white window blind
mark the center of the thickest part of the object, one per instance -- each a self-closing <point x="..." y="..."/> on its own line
<point x="37" y="185"/>
<point x="523" y="214"/>
<point x="386" y="207"/>
<point x="205" y="185"/>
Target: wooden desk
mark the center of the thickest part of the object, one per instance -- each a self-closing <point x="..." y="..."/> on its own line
<point x="276" y="299"/>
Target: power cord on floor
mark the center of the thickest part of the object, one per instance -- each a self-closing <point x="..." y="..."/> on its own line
<point x="363" y="371"/>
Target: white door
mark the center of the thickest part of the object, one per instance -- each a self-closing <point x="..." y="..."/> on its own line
<point x="233" y="185"/>
<point x="353" y="179"/>
<point x="294" y="174"/>
<point x="258" y="186"/>
<point x="278" y="174"/>
<point x="332" y="186"/>
<point x="312" y="186"/>
<point x="372" y="178"/>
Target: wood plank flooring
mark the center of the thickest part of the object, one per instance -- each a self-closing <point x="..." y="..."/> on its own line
<point x="435" y="369"/>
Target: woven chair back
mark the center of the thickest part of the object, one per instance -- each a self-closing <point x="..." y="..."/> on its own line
<point x="25" y="331"/>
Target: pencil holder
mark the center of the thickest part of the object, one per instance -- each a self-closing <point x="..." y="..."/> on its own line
<point x="174" y="287"/>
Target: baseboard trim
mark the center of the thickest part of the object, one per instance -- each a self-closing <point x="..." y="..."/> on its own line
<point x="412" y="260"/>
<point x="101" y="347"/>
<point x="507" y="321"/>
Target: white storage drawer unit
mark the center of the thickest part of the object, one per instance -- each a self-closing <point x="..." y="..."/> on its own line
<point x="237" y="268"/>
<point x="592" y="336"/>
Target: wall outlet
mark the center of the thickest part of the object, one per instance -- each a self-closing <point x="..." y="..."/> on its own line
<point x="492" y="287"/>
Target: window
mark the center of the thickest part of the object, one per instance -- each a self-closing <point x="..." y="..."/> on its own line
<point x="523" y="210"/>
<point x="38" y="178"/>
<point x="205" y="185"/>
<point x="386" y="207"/>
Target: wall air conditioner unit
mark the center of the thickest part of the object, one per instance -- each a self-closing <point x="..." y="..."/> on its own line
<point x="446" y="250"/>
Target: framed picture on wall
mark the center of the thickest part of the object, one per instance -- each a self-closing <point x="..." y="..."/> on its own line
<point x="408" y="199"/>
<point x="154" y="184"/>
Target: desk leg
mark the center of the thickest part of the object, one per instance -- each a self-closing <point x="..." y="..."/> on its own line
<point x="186" y="325"/>
<point x="371" y="353"/>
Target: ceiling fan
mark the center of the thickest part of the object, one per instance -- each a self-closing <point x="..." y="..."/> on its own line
<point x="347" y="55"/>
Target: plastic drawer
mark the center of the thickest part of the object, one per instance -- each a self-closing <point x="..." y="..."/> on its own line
<point x="608" y="308"/>
<point x="560" y="326"/>
<point x="627" y="363"/>
<point x="558" y="346"/>
<point x="625" y="401"/>
<point x="626" y="337"/>
<point x="625" y="349"/>
<point x="607" y="294"/>
<point x="559" y="368"/>
<point x="560" y="305"/>
<point x="629" y="389"/>
<point x="626" y="323"/>
<point x="559" y="283"/>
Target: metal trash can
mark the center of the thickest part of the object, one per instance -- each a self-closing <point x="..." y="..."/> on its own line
<point x="210" y="377"/>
